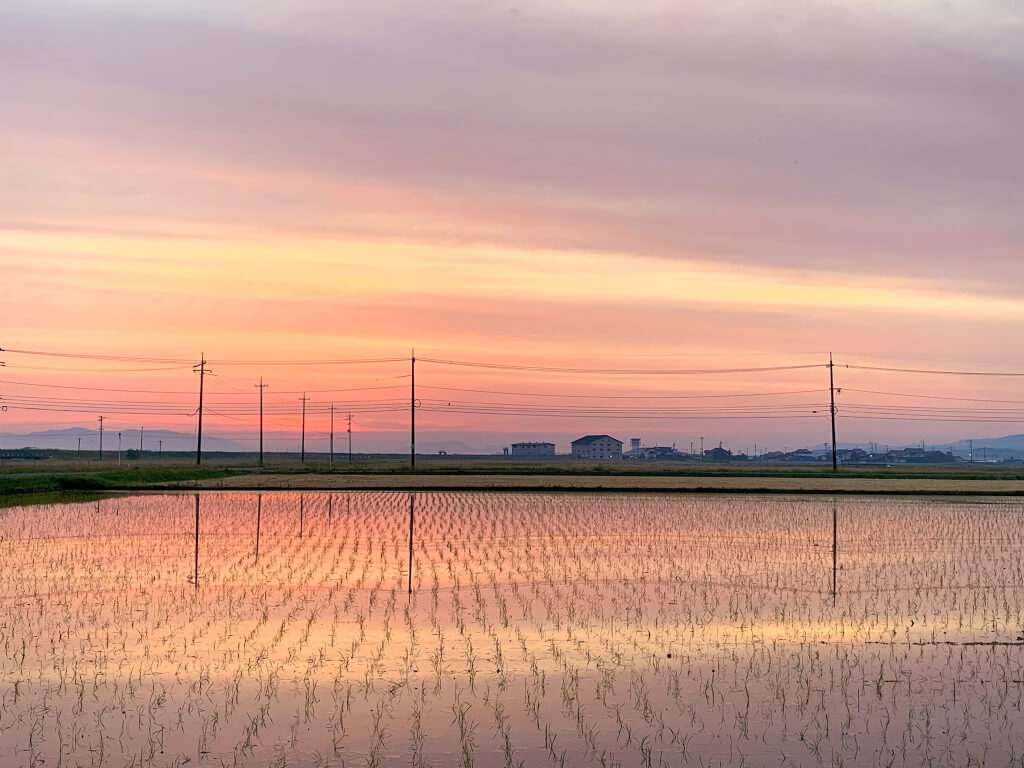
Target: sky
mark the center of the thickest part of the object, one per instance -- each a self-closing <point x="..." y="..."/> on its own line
<point x="589" y="185"/>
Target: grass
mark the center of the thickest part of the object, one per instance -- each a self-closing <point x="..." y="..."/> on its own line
<point x="60" y="474"/>
<point x="104" y="480"/>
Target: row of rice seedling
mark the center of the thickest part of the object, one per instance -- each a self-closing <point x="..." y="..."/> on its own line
<point x="541" y="629"/>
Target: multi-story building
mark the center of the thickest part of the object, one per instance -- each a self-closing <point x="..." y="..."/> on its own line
<point x="598" y="447"/>
<point x="532" y="450"/>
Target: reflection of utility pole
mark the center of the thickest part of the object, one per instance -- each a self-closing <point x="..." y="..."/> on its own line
<point x="835" y="547"/>
<point x="261" y="387"/>
<point x="302" y="447"/>
<point x="196" y="567"/>
<point x="259" y="514"/>
<point x="101" y="435"/>
<point x="412" y="513"/>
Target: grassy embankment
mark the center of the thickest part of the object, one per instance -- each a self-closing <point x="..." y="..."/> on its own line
<point x="481" y="473"/>
<point x="48" y="481"/>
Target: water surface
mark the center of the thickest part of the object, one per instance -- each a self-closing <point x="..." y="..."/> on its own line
<point x="541" y="629"/>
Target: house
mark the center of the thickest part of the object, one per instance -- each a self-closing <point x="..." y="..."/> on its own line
<point x="597" y="447"/>
<point x="532" y="450"/>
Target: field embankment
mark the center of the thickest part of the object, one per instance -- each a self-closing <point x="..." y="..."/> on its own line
<point x="390" y="474"/>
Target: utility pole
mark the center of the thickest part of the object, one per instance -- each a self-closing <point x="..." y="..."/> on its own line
<point x="79" y="447"/>
<point x="101" y="436"/>
<point x="330" y="461"/>
<point x="161" y="450"/>
<point x="202" y="371"/>
<point x="261" y="386"/>
<point x="702" y="449"/>
<point x="119" y="449"/>
<point x="412" y="413"/>
<point x="142" y="435"/>
<point x="350" y="438"/>
<point x="302" y="448"/>
<point x="832" y="408"/>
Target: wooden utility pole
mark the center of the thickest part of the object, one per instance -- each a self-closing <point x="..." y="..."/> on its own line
<point x="261" y="386"/>
<point x="101" y="435"/>
<point x="832" y="409"/>
<point x="202" y="371"/>
<point x="142" y="436"/>
<point x="350" y="438"/>
<point x="302" y="448"/>
<point x="330" y="461"/>
<point x="412" y="416"/>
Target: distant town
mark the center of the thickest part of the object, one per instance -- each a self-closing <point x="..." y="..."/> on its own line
<point x="608" y="448"/>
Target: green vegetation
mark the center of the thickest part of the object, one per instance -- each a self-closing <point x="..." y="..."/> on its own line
<point x="61" y="474"/>
<point x="136" y="477"/>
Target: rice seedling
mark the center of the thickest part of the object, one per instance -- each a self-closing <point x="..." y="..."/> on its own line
<point x="632" y="630"/>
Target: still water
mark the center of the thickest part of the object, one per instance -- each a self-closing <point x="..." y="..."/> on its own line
<point x="283" y="629"/>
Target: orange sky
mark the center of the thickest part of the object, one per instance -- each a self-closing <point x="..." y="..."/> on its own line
<point x="550" y="190"/>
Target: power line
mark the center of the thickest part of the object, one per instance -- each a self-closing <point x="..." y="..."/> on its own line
<point x="624" y="397"/>
<point x="616" y="371"/>
<point x="934" y="372"/>
<point x="931" y="397"/>
<point x="188" y="361"/>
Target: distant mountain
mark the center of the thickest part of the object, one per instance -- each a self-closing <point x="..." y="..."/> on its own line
<point x="986" y="448"/>
<point x="448" y="446"/>
<point x="67" y="439"/>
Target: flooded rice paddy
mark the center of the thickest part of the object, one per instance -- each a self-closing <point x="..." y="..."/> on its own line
<point x="540" y="630"/>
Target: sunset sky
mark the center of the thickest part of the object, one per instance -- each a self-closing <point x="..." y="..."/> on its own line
<point x="588" y="184"/>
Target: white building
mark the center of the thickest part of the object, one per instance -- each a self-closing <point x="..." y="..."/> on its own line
<point x="597" y="447"/>
<point x="533" y="450"/>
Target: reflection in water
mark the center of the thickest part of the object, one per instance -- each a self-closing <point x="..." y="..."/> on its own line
<point x="412" y="515"/>
<point x="259" y="516"/>
<point x="835" y="548"/>
<point x="539" y="629"/>
<point x="195" y="573"/>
